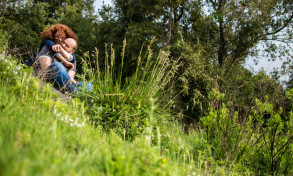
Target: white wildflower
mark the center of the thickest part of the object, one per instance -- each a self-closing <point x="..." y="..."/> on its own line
<point x="70" y="120"/>
<point x="55" y="111"/>
<point x="82" y="124"/>
<point x="147" y="137"/>
<point x="100" y="108"/>
<point x="71" y="124"/>
<point x="92" y="100"/>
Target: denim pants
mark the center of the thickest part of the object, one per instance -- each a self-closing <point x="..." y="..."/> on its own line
<point x="58" y="74"/>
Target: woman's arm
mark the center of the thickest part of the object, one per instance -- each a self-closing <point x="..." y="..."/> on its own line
<point x="48" y="43"/>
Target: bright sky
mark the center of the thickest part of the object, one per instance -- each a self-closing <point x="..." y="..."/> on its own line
<point x="263" y="63"/>
<point x="99" y="3"/>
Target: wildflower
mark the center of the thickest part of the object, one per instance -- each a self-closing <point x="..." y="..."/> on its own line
<point x="164" y="160"/>
<point x="82" y="124"/>
<point x="190" y="166"/>
<point x="15" y="72"/>
<point x="55" y="111"/>
<point x="92" y="100"/>
<point x="147" y="137"/>
<point x="71" y="124"/>
<point x="100" y="108"/>
<point x="70" y="120"/>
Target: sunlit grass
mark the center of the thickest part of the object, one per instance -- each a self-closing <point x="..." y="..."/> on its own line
<point x="41" y="135"/>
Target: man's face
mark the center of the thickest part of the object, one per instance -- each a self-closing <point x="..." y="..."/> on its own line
<point x="68" y="45"/>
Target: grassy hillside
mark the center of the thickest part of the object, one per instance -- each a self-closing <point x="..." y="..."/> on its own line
<point x="42" y="135"/>
<point x="128" y="128"/>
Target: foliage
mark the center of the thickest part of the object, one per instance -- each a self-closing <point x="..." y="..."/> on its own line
<point x="39" y="134"/>
<point x="261" y="143"/>
<point x="119" y="104"/>
<point x="193" y="64"/>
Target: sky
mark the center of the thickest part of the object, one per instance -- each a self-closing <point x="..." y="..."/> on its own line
<point x="99" y="3"/>
<point x="263" y="63"/>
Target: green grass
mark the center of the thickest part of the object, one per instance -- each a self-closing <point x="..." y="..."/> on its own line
<point x="35" y="141"/>
<point x="116" y="129"/>
<point x="38" y="136"/>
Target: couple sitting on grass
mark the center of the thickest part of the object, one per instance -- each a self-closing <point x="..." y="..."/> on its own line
<point x="56" y="60"/>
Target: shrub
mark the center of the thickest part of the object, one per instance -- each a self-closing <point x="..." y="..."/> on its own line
<point x="260" y="143"/>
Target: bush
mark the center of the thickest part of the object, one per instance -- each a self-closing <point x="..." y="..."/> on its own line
<point x="260" y="143"/>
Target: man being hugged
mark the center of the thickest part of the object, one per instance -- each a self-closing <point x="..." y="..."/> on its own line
<point x="64" y="52"/>
<point x="60" y="68"/>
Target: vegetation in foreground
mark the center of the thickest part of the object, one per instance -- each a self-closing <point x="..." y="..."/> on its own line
<point x="129" y="129"/>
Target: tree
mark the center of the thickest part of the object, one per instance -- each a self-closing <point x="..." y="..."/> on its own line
<point x="236" y="26"/>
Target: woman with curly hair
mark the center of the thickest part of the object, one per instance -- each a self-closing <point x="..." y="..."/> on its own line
<point x="51" y="36"/>
<point x="58" y="33"/>
<point x="58" y="41"/>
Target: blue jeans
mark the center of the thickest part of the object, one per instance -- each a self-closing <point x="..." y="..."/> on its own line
<point x="58" y="74"/>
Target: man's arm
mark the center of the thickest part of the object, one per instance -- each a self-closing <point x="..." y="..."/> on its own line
<point x="64" y="61"/>
<point x="50" y="44"/>
<point x="65" y="54"/>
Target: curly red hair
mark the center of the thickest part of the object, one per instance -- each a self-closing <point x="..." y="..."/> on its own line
<point x="51" y="31"/>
